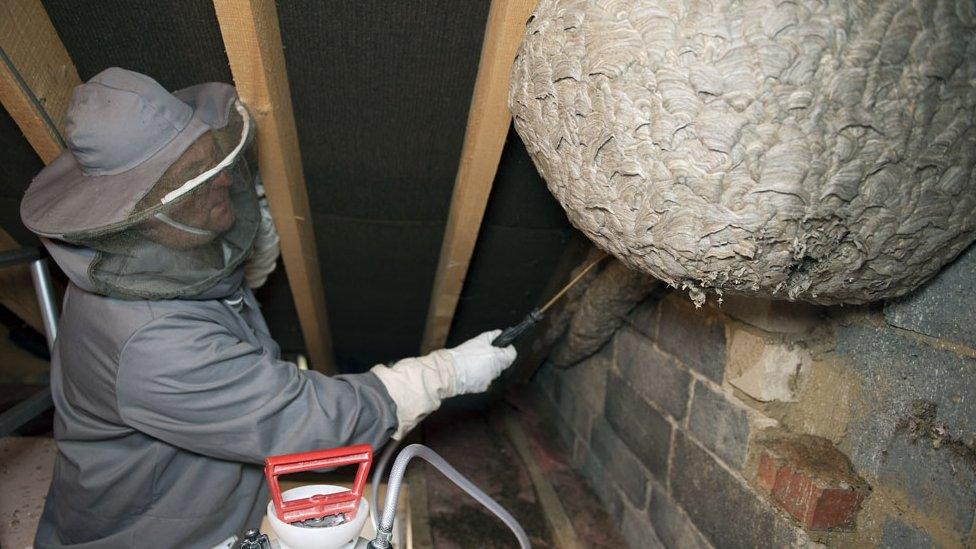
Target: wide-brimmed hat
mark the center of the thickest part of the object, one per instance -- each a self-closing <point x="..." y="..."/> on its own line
<point x="123" y="131"/>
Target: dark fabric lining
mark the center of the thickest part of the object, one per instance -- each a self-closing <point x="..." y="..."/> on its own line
<point x="521" y="240"/>
<point x="20" y="163"/>
<point x="178" y="45"/>
<point x="381" y="93"/>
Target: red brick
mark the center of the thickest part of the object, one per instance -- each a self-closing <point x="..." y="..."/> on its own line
<point x="811" y="480"/>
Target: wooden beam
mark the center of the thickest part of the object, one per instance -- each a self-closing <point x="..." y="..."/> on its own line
<point x="560" y="526"/>
<point x="253" y="42"/>
<point x="418" y="528"/>
<point x="36" y="80"/>
<point x="36" y="75"/>
<point x="488" y="122"/>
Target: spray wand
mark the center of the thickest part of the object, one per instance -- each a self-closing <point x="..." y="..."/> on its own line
<point x="512" y="333"/>
<point x="384" y="528"/>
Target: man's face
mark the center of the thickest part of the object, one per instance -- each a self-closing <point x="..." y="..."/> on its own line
<point x="210" y="208"/>
<point x="207" y="209"/>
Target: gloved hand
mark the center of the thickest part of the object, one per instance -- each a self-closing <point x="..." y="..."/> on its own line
<point x="267" y="247"/>
<point x="477" y="363"/>
<point x="418" y="385"/>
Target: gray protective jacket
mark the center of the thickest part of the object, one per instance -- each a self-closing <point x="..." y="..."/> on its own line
<point x="165" y="411"/>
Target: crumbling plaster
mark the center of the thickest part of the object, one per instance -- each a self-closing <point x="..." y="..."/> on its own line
<point x="814" y="150"/>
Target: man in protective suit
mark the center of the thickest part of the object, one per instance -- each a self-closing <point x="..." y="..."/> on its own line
<point x="169" y="391"/>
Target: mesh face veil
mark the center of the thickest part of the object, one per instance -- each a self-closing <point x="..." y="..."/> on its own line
<point x="190" y="230"/>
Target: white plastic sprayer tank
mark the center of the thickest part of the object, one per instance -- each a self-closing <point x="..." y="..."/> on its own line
<point x="295" y="536"/>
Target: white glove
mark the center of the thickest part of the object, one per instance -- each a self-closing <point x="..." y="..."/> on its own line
<point x="477" y="363"/>
<point x="267" y="248"/>
<point x="418" y="385"/>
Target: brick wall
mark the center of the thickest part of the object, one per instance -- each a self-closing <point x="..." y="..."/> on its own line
<point x="754" y="423"/>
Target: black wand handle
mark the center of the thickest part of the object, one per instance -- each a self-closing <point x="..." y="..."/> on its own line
<point x="510" y="334"/>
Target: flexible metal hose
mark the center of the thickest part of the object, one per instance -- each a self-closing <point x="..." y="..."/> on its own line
<point x="385" y="531"/>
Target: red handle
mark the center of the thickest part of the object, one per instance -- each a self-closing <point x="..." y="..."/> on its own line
<point x="319" y="505"/>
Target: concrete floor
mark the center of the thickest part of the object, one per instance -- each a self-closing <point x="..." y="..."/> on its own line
<point x="25" y="473"/>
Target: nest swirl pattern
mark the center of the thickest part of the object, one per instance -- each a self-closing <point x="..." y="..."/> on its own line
<point x="801" y="149"/>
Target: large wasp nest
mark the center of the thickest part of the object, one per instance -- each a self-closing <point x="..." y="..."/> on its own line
<point x="816" y="150"/>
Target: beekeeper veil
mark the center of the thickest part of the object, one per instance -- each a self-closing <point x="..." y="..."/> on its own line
<point x="156" y="184"/>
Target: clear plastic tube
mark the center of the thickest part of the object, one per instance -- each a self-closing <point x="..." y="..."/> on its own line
<point x="385" y="530"/>
<point x="374" y="500"/>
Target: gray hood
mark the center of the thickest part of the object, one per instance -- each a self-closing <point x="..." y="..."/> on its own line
<point x="76" y="262"/>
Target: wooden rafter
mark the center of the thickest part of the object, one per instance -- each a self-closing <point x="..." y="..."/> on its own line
<point x="36" y="75"/>
<point x="252" y="39"/>
<point x="488" y="121"/>
<point x="563" y="532"/>
<point x="36" y="79"/>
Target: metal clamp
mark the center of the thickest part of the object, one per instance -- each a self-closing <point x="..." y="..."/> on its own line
<point x="254" y="539"/>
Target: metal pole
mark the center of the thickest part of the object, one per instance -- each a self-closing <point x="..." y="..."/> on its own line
<point x="45" y="299"/>
<point x="36" y="404"/>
